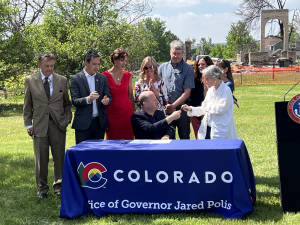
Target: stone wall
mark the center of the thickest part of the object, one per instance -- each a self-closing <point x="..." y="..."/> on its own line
<point x="292" y="54"/>
<point x="258" y="58"/>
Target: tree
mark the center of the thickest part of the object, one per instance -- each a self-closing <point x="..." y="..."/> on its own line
<point x="133" y="10"/>
<point x="160" y="38"/>
<point x="70" y="29"/>
<point x="27" y="12"/>
<point x="249" y="11"/>
<point x="206" y="45"/>
<point x="14" y="49"/>
<point x="16" y="53"/>
<point x="193" y="41"/>
<point x="238" y="39"/>
<point x="218" y="51"/>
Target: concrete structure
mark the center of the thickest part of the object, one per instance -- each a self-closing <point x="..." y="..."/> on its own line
<point x="188" y="47"/>
<point x="265" y="16"/>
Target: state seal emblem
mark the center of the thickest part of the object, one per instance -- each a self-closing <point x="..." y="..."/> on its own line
<point x="294" y="108"/>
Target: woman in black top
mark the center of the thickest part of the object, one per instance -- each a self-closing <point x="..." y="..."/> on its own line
<point x="198" y="93"/>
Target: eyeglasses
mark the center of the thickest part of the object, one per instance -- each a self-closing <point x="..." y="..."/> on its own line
<point x="150" y="67"/>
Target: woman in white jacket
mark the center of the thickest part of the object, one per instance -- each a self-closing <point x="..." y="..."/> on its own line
<point x="217" y="108"/>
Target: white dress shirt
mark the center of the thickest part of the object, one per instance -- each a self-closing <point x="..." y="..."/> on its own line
<point x="217" y="109"/>
<point x="91" y="82"/>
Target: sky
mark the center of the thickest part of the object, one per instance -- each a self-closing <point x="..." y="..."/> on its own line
<point x="203" y="18"/>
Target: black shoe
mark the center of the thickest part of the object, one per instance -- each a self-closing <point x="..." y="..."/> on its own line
<point x="58" y="194"/>
<point x="41" y="195"/>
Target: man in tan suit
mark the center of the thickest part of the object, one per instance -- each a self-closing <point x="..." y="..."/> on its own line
<point x="47" y="113"/>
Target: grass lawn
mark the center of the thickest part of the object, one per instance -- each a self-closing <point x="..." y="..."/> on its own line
<point x="255" y="122"/>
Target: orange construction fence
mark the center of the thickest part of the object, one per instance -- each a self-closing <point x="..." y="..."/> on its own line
<point x="246" y="75"/>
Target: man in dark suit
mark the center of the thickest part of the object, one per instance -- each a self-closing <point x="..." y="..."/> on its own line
<point x="151" y="123"/>
<point x="90" y="94"/>
<point x="47" y="113"/>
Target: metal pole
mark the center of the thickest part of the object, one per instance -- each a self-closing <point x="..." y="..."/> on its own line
<point x="273" y="72"/>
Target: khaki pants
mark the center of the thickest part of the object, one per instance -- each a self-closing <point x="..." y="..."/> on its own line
<point x="56" y="139"/>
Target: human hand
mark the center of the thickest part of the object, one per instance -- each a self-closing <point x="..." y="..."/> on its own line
<point x="235" y="102"/>
<point x="150" y="84"/>
<point x="176" y="115"/>
<point x="105" y="100"/>
<point x="166" y="137"/>
<point x="93" y="95"/>
<point x="169" y="108"/>
<point x="186" y="108"/>
<point x="30" y="131"/>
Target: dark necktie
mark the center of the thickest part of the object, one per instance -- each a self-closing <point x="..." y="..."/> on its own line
<point x="47" y="87"/>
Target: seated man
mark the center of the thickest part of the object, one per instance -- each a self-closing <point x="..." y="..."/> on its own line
<point x="151" y="123"/>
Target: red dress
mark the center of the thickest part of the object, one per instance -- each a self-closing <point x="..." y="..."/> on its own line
<point x="120" y="110"/>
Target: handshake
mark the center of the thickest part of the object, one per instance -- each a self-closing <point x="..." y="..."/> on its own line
<point x="174" y="116"/>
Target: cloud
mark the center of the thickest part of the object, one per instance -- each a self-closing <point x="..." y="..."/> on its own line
<point x="188" y="3"/>
<point x="215" y="26"/>
<point x="177" y="3"/>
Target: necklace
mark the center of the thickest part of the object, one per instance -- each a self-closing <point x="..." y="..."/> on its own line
<point x="118" y="76"/>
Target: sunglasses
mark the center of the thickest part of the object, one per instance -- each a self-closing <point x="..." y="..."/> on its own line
<point x="150" y="67"/>
<point x="92" y="52"/>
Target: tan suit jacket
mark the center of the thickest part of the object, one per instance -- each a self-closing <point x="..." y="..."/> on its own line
<point x="37" y="107"/>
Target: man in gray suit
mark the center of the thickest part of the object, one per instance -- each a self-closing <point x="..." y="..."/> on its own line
<point x="90" y="94"/>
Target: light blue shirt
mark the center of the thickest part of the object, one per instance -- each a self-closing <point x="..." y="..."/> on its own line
<point x="177" y="78"/>
<point x="50" y="80"/>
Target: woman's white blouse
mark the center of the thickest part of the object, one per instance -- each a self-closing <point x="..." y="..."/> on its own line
<point x="217" y="109"/>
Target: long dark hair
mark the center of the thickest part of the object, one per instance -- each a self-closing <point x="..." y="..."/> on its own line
<point x="226" y="64"/>
<point x="208" y="61"/>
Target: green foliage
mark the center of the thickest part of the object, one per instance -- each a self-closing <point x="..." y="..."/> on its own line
<point x="295" y="35"/>
<point x="238" y="37"/>
<point x="218" y="51"/>
<point x="193" y="41"/>
<point x="255" y="123"/>
<point x="159" y="38"/>
<point x="15" y="53"/>
<point x="207" y="45"/>
<point x="5" y="10"/>
<point x="70" y="29"/>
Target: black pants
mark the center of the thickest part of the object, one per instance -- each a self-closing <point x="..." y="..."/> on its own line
<point x="208" y="130"/>
<point x="183" y="125"/>
<point x="93" y="132"/>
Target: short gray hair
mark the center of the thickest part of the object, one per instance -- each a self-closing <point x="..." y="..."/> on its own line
<point x="213" y="71"/>
<point x="176" y="44"/>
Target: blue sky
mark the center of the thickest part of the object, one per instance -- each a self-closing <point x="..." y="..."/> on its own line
<point x="203" y="18"/>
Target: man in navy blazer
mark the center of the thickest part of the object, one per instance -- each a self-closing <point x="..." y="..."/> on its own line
<point x="90" y="94"/>
<point x="151" y="123"/>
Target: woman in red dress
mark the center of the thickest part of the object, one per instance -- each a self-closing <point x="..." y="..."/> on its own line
<point x="122" y="106"/>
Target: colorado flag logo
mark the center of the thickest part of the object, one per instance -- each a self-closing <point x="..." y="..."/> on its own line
<point x="91" y="175"/>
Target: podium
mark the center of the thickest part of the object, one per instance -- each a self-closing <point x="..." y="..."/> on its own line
<point x="288" y="152"/>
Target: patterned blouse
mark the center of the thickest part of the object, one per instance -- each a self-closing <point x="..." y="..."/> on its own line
<point x="159" y="85"/>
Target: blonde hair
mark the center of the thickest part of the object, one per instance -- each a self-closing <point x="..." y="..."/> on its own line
<point x="144" y="62"/>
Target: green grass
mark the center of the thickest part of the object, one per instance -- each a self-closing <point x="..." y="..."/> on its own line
<point x="255" y="122"/>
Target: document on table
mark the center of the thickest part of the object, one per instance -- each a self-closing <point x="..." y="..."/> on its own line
<point x="160" y="142"/>
<point x="150" y="142"/>
<point x="140" y="142"/>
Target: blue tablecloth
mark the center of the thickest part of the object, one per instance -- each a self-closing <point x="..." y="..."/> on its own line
<point x="183" y="176"/>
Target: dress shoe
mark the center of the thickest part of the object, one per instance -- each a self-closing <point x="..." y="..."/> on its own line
<point x="41" y="195"/>
<point x="58" y="194"/>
